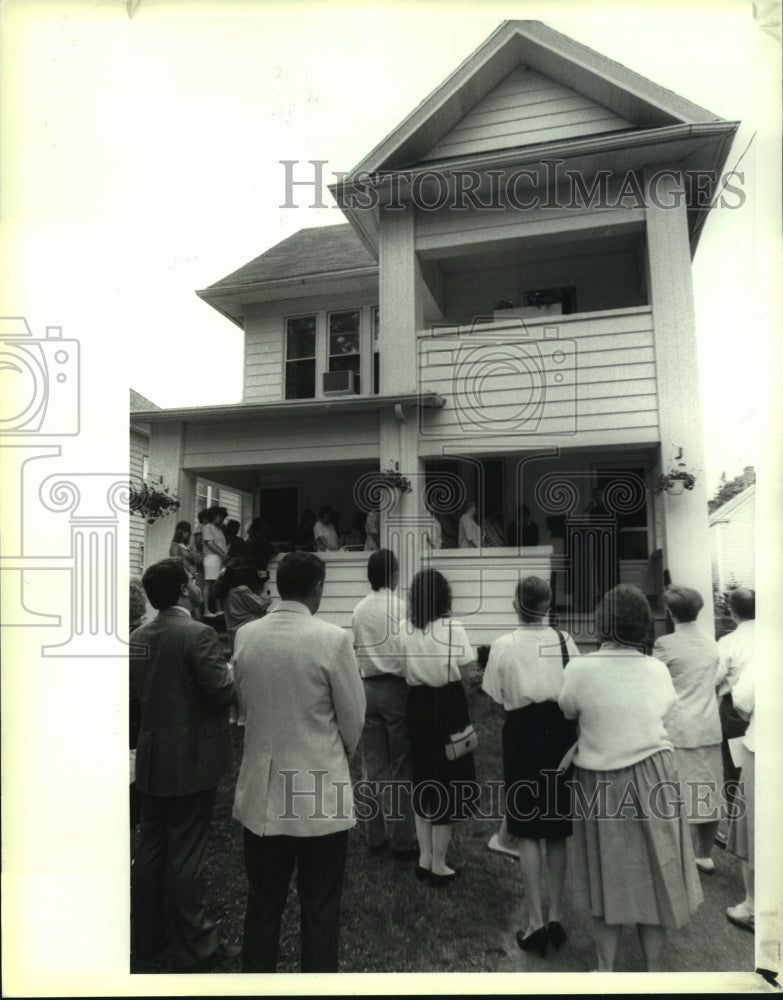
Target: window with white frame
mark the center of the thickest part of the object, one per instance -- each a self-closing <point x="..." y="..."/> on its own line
<point x="376" y="357"/>
<point x="329" y="343"/>
<point x="345" y="343"/>
<point x="300" y="357"/>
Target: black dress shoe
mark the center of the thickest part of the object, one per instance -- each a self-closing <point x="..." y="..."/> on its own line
<point x="537" y="941"/>
<point x="422" y="874"/>
<point x="557" y="934"/>
<point x="223" y="953"/>
<point x="438" y="881"/>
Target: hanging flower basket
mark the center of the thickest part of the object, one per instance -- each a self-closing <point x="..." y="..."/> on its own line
<point x="394" y="479"/>
<point x="152" y="502"/>
<point x="677" y="479"/>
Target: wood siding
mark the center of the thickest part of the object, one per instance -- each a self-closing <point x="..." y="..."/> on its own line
<point x="525" y="108"/>
<point x="255" y="443"/>
<point x="596" y="374"/>
<point x="137" y="526"/>
<point x="733" y="544"/>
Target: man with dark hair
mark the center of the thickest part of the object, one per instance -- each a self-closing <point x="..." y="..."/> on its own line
<point x="385" y="742"/>
<point x="301" y="695"/>
<point x="184" y="688"/>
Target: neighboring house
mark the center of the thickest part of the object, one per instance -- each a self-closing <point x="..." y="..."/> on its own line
<point x="485" y="332"/>
<point x="139" y="474"/>
<point x="206" y="493"/>
<point x="733" y="538"/>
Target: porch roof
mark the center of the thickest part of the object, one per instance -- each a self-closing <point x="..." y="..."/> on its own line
<point x="289" y="408"/>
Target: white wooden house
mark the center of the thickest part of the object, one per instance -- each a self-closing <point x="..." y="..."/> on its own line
<point x="205" y="493"/>
<point x="507" y="314"/>
<point x="733" y="539"/>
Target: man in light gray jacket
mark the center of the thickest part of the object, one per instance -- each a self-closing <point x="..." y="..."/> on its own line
<point x="299" y="688"/>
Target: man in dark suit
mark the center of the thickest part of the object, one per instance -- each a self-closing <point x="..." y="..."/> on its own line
<point x="180" y="677"/>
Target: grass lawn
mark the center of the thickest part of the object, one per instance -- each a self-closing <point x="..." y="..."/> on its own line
<point x="390" y="921"/>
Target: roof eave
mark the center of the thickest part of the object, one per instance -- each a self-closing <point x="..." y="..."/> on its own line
<point x="286" y="408"/>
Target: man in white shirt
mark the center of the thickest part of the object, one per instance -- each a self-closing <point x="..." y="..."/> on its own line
<point x="301" y="694"/>
<point x="735" y="653"/>
<point x="385" y="741"/>
<point x="742" y="840"/>
<point x="324" y="531"/>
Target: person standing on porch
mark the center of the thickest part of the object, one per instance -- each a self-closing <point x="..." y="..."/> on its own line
<point x="324" y="531"/>
<point x="694" y="724"/>
<point x="469" y="529"/>
<point x="386" y="754"/>
<point x="302" y="698"/>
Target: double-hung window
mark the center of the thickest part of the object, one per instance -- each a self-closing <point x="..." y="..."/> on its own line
<point x="344" y="343"/>
<point x="300" y="357"/>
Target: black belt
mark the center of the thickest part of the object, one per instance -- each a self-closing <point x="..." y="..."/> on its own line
<point x="384" y="677"/>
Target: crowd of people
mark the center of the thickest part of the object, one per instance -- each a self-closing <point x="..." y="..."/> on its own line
<point x="621" y="761"/>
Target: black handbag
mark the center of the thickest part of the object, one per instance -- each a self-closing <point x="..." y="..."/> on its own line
<point x="731" y="723"/>
<point x="465" y="740"/>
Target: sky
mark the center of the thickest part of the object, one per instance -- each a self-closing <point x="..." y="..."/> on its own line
<point x="144" y="164"/>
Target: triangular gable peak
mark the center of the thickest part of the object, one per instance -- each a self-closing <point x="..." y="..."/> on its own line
<point x="518" y="60"/>
<point x="524" y="109"/>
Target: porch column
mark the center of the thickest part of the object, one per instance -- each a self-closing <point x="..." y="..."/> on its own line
<point x="166" y="456"/>
<point x="400" y="301"/>
<point x="404" y="523"/>
<point x="686" y="528"/>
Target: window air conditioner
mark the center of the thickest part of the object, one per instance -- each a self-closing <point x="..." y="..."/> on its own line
<point x="339" y="384"/>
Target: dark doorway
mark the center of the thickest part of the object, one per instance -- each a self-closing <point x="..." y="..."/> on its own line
<point x="280" y="509"/>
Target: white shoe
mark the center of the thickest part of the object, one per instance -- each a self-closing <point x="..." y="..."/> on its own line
<point x="495" y="845"/>
<point x="706" y="866"/>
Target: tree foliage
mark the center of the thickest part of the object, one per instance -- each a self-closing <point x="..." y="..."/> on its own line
<point x="727" y="489"/>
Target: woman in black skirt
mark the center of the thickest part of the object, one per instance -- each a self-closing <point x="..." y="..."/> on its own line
<point x="437" y="656"/>
<point x="525" y="675"/>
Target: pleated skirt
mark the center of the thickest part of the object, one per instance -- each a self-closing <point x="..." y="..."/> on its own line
<point x="633" y="858"/>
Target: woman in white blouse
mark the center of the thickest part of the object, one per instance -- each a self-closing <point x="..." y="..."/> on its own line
<point x="214" y="551"/>
<point x="525" y="675"/>
<point x="436" y="657"/>
<point x="633" y="856"/>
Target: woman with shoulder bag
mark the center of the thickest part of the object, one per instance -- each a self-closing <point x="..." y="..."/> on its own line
<point x="437" y="656"/>
<point x="525" y="675"/>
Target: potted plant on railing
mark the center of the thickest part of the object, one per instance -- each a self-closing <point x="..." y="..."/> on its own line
<point x="152" y="502"/>
<point x="677" y="479"/>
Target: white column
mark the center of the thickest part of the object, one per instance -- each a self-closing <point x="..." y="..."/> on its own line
<point x="686" y="530"/>
<point x="166" y="454"/>
<point x="400" y="301"/>
<point x="403" y="525"/>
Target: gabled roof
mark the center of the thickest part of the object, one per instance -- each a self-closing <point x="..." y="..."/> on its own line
<point x="319" y="250"/>
<point x="727" y="510"/>
<point x="139" y="402"/>
<point x="628" y="95"/>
